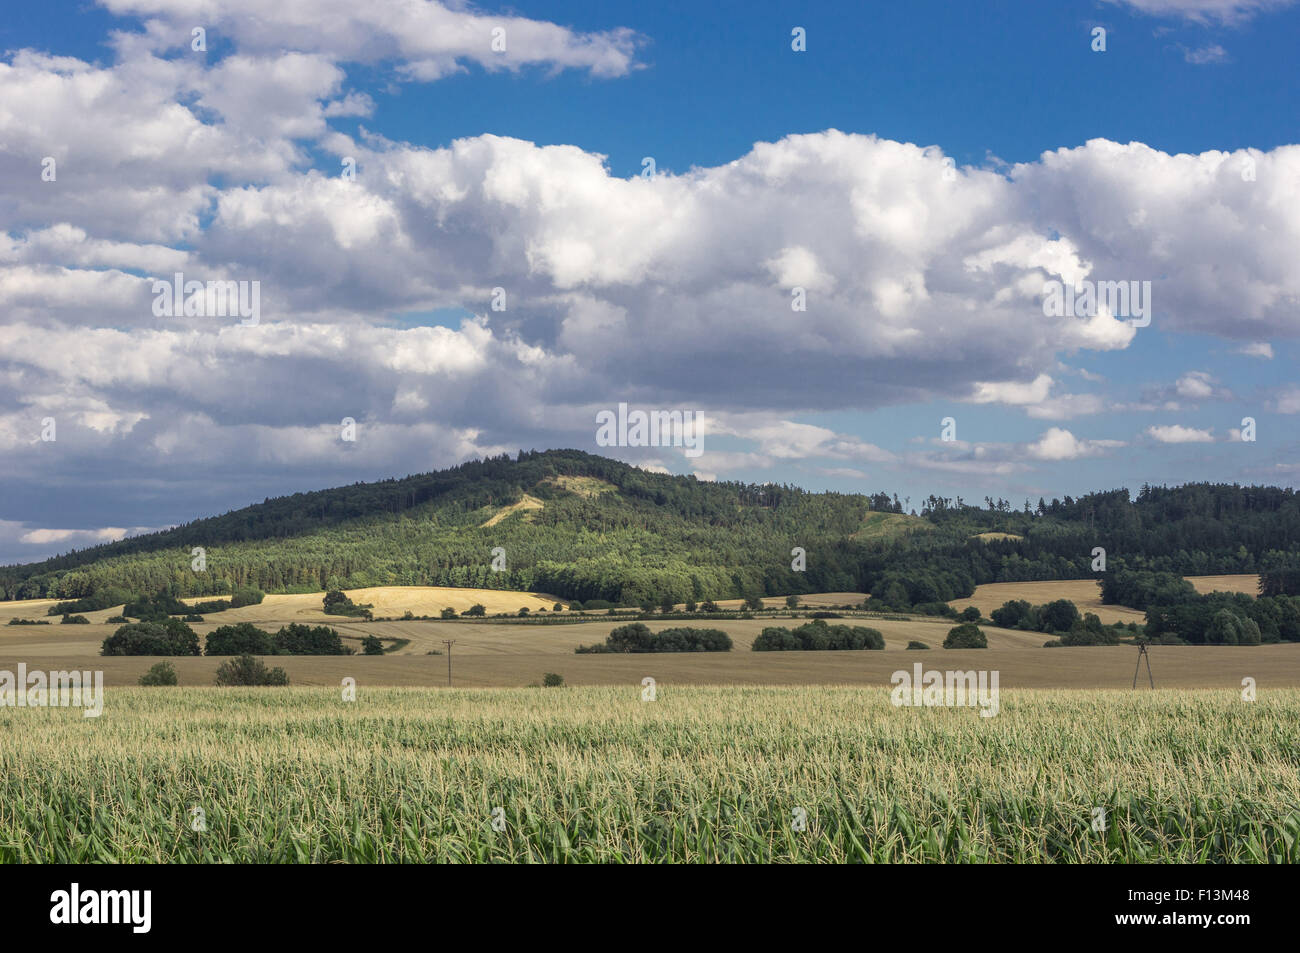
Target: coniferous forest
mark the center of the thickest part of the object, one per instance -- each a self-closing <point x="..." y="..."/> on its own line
<point x="609" y="531"/>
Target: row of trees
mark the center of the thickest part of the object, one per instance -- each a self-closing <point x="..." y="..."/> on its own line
<point x="155" y="606"/>
<point x="637" y="637"/>
<point x="173" y="637"/>
<point x="818" y="636"/>
<point x="293" y="639"/>
<point x="241" y="671"/>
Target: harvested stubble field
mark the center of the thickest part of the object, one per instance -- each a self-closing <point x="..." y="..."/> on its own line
<point x="503" y="655"/>
<point x="308" y="607"/>
<point x="1086" y="594"/>
<point x="699" y="775"/>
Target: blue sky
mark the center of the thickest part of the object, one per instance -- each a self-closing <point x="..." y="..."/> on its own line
<point x="520" y="170"/>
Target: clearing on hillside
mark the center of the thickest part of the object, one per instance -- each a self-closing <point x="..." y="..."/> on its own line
<point x="581" y="485"/>
<point x="523" y="506"/>
<point x="1245" y="582"/>
<point x="878" y="525"/>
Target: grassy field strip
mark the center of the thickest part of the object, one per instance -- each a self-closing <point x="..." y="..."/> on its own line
<point x="699" y="775"/>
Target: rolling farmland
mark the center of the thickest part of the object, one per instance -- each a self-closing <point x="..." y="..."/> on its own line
<point x="491" y="653"/>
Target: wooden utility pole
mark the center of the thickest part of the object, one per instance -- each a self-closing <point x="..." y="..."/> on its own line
<point x="449" y="643"/>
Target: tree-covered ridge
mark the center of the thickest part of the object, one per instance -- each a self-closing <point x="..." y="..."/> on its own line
<point x="652" y="537"/>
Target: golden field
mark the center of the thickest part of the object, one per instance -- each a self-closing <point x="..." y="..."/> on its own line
<point x="307" y="607"/>
<point x="1086" y="594"/>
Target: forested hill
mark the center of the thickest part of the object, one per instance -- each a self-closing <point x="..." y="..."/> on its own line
<point x="585" y="527"/>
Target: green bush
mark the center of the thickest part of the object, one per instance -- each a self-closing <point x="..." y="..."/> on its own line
<point x="246" y="670"/>
<point x="168" y="637"/>
<point x="817" y="636"/>
<point x="449" y="613"/>
<point x="1090" y="631"/>
<point x="476" y="610"/>
<point x="970" y="614"/>
<point x="336" y="603"/>
<point x="162" y="673"/>
<point x="552" y="680"/>
<point x="965" y="636"/>
<point x="299" y="639"/>
<point x="935" y="608"/>
<point x="155" y="608"/>
<point x="1228" y="628"/>
<point x="371" y="646"/>
<point x="75" y="620"/>
<point x="214" y="605"/>
<point x="104" y="599"/>
<point x="1011" y="614"/>
<point x="246" y="596"/>
<point x="1059" y="616"/>
<point x="637" y="637"/>
<point x="242" y="639"/>
<point x="917" y="645"/>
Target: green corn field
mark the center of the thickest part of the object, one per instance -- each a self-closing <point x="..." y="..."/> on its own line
<point x="698" y="775"/>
